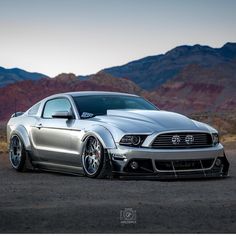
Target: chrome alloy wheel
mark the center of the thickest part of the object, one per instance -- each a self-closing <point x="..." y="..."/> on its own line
<point x="92" y="156"/>
<point x="15" y="152"/>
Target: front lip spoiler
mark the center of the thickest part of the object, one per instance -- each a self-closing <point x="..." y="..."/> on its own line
<point x="163" y="178"/>
<point x="171" y="176"/>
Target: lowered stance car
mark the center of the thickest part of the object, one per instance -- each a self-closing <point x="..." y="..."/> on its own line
<point x="106" y="134"/>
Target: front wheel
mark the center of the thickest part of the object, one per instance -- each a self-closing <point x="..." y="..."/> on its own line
<point x="95" y="160"/>
<point x="17" y="154"/>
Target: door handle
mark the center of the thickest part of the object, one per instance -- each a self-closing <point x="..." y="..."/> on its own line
<point x="39" y="126"/>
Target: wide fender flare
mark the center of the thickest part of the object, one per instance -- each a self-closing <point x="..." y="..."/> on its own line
<point x="103" y="135"/>
<point x="22" y="133"/>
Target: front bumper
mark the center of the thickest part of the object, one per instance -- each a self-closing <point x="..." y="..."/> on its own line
<point x="171" y="163"/>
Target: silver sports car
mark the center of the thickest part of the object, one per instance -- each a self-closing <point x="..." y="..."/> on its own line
<point x="105" y="134"/>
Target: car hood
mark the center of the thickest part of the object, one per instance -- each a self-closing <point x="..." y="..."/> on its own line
<point x="148" y="121"/>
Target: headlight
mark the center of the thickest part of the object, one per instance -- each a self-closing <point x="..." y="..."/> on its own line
<point x="133" y="140"/>
<point x="215" y="139"/>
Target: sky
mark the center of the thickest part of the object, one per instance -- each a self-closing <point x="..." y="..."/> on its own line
<point x="86" y="36"/>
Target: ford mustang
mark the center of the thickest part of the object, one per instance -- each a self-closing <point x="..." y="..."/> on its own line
<point x="107" y="134"/>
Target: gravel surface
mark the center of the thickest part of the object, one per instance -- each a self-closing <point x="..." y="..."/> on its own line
<point x="43" y="202"/>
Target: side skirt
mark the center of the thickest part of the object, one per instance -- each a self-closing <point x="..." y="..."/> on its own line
<point x="65" y="169"/>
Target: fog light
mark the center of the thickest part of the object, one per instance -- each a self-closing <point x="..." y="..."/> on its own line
<point x="134" y="165"/>
<point x="218" y="162"/>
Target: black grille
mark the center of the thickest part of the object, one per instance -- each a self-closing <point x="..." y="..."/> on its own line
<point x="182" y="140"/>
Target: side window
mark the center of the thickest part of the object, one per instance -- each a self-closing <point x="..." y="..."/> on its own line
<point x="34" y="110"/>
<point x="54" y="105"/>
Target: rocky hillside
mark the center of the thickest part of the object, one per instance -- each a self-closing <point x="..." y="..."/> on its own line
<point x="199" y="89"/>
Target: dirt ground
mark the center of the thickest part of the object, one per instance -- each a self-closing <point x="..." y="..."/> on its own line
<point x="43" y="202"/>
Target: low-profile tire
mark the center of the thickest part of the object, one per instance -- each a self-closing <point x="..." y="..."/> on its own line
<point x="95" y="160"/>
<point x="17" y="154"/>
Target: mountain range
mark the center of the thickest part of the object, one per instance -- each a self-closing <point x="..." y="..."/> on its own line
<point x="153" y="71"/>
<point x="186" y="79"/>
<point x="9" y="76"/>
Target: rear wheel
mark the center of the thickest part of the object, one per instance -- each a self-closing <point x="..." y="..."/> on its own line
<point x="96" y="163"/>
<point x="17" y="154"/>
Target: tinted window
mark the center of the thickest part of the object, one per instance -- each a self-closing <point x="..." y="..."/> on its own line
<point x="55" y="105"/>
<point x="34" y="110"/>
<point x="99" y="104"/>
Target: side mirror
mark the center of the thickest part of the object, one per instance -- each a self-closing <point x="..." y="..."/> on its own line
<point x="63" y="115"/>
<point x="16" y="114"/>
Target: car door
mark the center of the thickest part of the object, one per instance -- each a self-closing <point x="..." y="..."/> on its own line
<point x="56" y="139"/>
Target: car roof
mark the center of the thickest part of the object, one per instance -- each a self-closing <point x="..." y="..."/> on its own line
<point x="85" y="93"/>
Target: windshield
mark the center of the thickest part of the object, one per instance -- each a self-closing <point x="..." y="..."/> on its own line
<point x="93" y="105"/>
